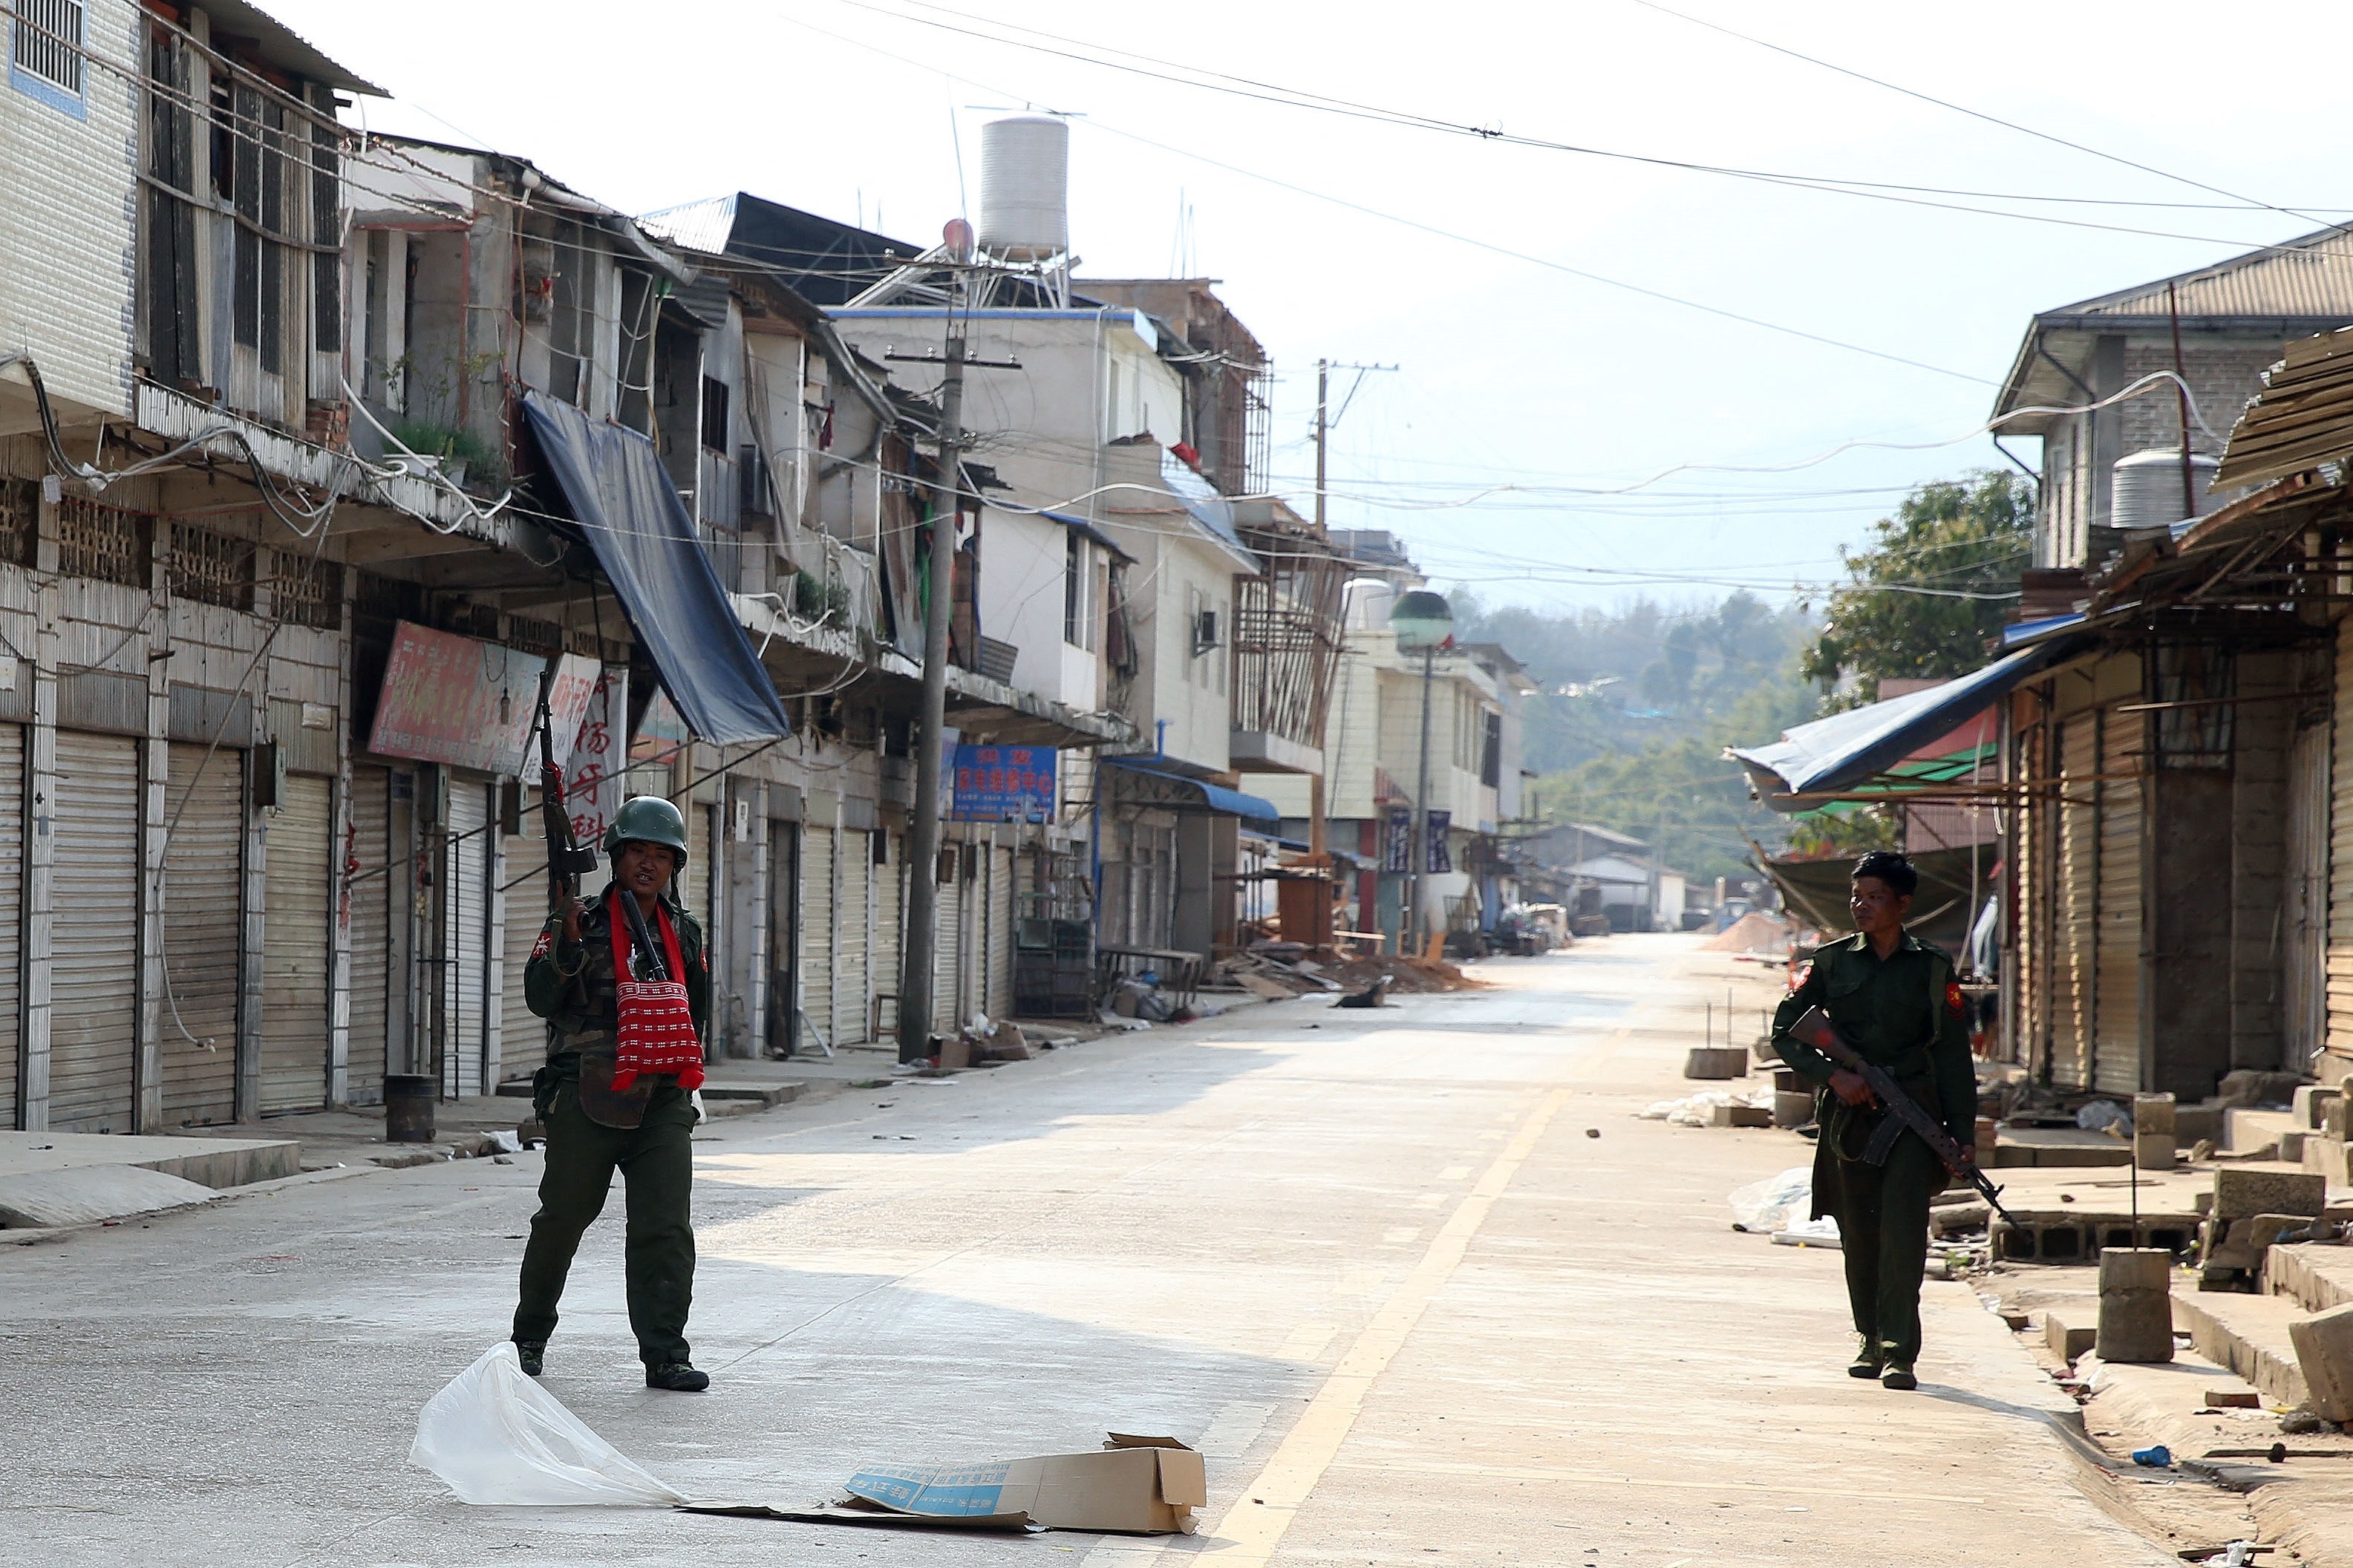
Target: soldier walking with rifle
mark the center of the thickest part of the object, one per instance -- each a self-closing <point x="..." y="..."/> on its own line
<point x="624" y="984"/>
<point x="1877" y="1024"/>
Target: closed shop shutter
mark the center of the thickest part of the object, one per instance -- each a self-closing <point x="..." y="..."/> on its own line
<point x="947" y="957"/>
<point x="203" y="927"/>
<point x="523" y="1037"/>
<point x="694" y="883"/>
<point x="2027" y="982"/>
<point x="853" y="980"/>
<point x="12" y="888"/>
<point x="468" y="943"/>
<point x="890" y="921"/>
<point x="2117" y="1058"/>
<point x="784" y="935"/>
<point x="294" y="949"/>
<point x="2307" y="895"/>
<point x="2340" y="863"/>
<point x="2071" y="960"/>
<point x="816" y="929"/>
<point x="94" y="934"/>
<point x="1000" y="935"/>
<point x="371" y="892"/>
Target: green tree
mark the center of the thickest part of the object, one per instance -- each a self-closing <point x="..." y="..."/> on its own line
<point x="1967" y="539"/>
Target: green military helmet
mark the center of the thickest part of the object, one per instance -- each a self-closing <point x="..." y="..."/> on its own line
<point x="647" y="819"/>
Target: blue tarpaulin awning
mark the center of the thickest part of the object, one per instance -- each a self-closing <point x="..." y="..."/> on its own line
<point x="1853" y="749"/>
<point x="642" y="536"/>
<point x="1209" y="796"/>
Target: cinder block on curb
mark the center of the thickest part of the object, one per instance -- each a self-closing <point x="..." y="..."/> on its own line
<point x="2323" y="1350"/>
<point x="2067" y="1340"/>
<point x="2243" y="1194"/>
<point x="1719" y="1062"/>
<point x="1740" y="1116"/>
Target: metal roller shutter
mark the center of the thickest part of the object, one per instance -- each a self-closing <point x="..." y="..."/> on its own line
<point x="12" y="888"/>
<point x="370" y="893"/>
<point x="2026" y="985"/>
<point x="2340" y="861"/>
<point x="2116" y="1053"/>
<point x="523" y="1037"/>
<point x="889" y="921"/>
<point x="294" y="949"/>
<point x="467" y="946"/>
<point x="94" y="935"/>
<point x="816" y="928"/>
<point x="947" y="952"/>
<point x="1000" y="934"/>
<point x="694" y="882"/>
<point x="2307" y="894"/>
<point x="203" y="916"/>
<point x="853" y="982"/>
<point x="2072" y="958"/>
<point x="784" y="935"/>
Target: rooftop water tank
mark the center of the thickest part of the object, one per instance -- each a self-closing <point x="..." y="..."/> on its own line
<point x="2149" y="489"/>
<point x="1025" y="187"/>
<point x="1366" y="602"/>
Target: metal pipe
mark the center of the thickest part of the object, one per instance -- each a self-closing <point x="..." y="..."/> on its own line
<point x="1420" y="838"/>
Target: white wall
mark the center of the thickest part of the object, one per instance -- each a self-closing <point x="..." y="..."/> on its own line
<point x="66" y="234"/>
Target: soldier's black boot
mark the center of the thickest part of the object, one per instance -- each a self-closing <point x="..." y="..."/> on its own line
<point x="677" y="1377"/>
<point x="532" y="1353"/>
<point x="1898" y="1376"/>
<point x="1869" y="1359"/>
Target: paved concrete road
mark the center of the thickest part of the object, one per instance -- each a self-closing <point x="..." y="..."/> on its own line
<point x="1371" y="1263"/>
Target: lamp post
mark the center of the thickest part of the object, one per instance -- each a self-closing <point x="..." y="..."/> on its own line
<point x="1422" y="621"/>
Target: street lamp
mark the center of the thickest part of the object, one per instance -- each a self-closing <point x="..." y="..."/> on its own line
<point x="1422" y="621"/>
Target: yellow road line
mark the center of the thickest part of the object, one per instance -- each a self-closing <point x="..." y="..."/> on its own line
<point x="1255" y="1525"/>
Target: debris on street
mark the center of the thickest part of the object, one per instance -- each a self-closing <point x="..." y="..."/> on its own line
<point x="499" y="1439"/>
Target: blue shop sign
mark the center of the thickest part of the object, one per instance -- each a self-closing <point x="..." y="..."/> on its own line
<point x="1005" y="783"/>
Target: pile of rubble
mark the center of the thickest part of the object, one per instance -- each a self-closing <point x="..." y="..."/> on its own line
<point x="1274" y="970"/>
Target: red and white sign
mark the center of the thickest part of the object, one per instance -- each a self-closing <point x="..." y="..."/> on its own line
<point x="456" y="700"/>
<point x="568" y="697"/>
<point x="596" y="782"/>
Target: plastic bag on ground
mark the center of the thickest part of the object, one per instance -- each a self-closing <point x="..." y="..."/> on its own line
<point x="1770" y="1204"/>
<point x="499" y="1439"/>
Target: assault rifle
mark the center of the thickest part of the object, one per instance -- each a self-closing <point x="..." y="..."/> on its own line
<point x="567" y="862"/>
<point x="1813" y="1029"/>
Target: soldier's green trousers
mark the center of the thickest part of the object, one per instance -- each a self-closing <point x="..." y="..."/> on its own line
<point x="656" y="1162"/>
<point x="1883" y="1216"/>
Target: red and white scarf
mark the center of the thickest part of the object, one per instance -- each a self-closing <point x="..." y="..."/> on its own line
<point x="656" y="1025"/>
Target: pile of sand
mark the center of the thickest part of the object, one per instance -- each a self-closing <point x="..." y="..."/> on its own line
<point x="1754" y="931"/>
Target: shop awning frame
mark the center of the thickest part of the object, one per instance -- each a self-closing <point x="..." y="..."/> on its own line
<point x="1203" y="795"/>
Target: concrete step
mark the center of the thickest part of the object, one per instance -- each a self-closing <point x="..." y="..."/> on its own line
<point x="2058" y="1146"/>
<point x="2247" y="1334"/>
<point x="213" y="1163"/>
<point x="2244" y="1132"/>
<point x="761" y="1095"/>
<point x="2315" y="1275"/>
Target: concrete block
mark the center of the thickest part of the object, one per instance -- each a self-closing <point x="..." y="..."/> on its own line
<point x="2067" y="1340"/>
<point x="85" y="1195"/>
<point x="1792" y="1110"/>
<point x="2324" y="1350"/>
<point x="2336" y="1117"/>
<point x="2233" y="1399"/>
<point x="2291" y="1150"/>
<point x="1740" y="1116"/>
<point x="2136" y="1305"/>
<point x="1988" y="1139"/>
<point x="2242" y="1194"/>
<point x="2153" y="1113"/>
<point x="2152" y="1150"/>
<point x="1716" y="1062"/>
<point x="2331" y="1159"/>
<point x="2311" y="1101"/>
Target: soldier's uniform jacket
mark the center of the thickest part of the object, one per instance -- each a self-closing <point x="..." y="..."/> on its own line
<point x="574" y="989"/>
<point x="1904" y="1014"/>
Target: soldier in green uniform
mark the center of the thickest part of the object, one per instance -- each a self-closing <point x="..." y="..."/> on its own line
<point x="594" y="1127"/>
<point x="1893" y="998"/>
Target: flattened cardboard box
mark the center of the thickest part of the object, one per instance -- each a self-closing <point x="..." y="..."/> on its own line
<point x="1142" y="1485"/>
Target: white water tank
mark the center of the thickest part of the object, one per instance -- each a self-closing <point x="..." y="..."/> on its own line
<point x="2149" y="489"/>
<point x="1365" y="603"/>
<point x="1025" y="187"/>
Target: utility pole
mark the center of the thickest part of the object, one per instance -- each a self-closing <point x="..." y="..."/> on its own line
<point x="923" y="842"/>
<point x="1322" y="402"/>
<point x="1318" y="837"/>
<point x="915" y="964"/>
<point x="2181" y="400"/>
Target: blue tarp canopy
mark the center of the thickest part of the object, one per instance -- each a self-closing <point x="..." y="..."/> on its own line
<point x="1854" y="749"/>
<point x="639" y="528"/>
<point x="1205" y="796"/>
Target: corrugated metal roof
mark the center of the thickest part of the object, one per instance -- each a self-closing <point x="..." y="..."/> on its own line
<point x="2309" y="277"/>
<point x="704" y="226"/>
<point x="2301" y="418"/>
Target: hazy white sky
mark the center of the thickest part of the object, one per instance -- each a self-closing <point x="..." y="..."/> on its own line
<point x="1512" y="372"/>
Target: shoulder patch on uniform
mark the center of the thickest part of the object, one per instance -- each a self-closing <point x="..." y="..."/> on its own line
<point x="1953" y="1003"/>
<point x="546" y="942"/>
<point x="1800" y="975"/>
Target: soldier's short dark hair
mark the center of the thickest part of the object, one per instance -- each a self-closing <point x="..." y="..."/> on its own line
<point x="1901" y="877"/>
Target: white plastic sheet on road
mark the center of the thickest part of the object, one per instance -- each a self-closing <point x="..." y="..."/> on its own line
<point x="1774" y="1203"/>
<point x="497" y="1437"/>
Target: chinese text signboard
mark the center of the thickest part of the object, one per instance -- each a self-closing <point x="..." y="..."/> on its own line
<point x="1440" y="821"/>
<point x="568" y="696"/>
<point x="1005" y="783"/>
<point x="597" y="781"/>
<point x="456" y="700"/>
<point x="1396" y="838"/>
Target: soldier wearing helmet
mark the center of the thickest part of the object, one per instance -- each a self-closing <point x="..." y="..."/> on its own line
<point x="602" y="1115"/>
